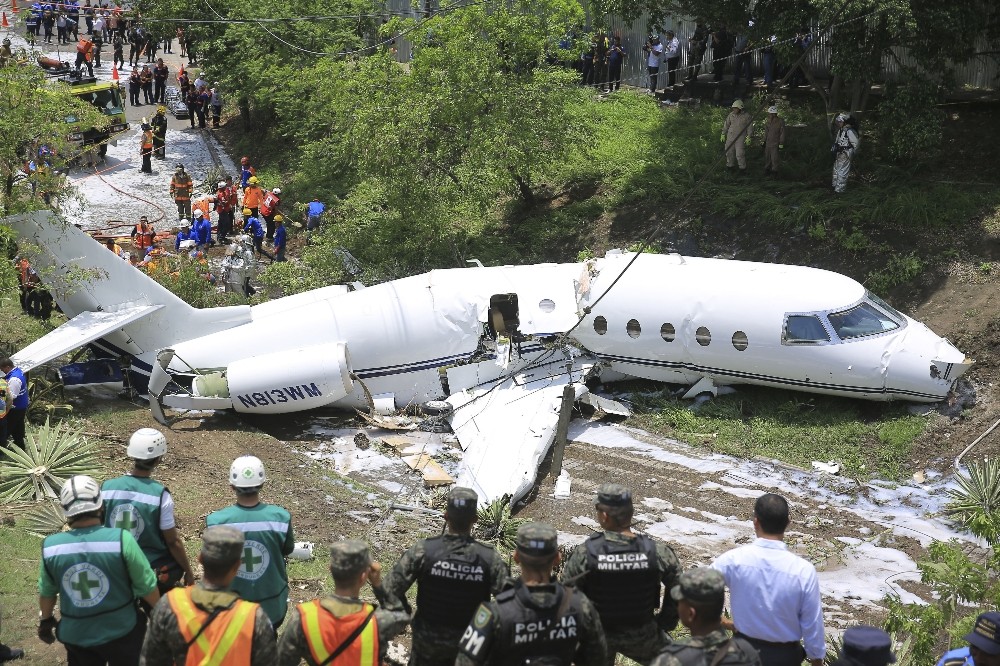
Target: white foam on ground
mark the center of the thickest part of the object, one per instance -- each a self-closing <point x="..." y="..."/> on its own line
<point x="346" y="457"/>
<point x="867" y="573"/>
<point x="616" y="437"/>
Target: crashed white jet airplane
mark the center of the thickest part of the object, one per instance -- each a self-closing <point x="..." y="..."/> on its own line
<point x="499" y="344"/>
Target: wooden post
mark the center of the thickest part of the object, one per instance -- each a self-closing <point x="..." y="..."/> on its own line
<point x="565" y="414"/>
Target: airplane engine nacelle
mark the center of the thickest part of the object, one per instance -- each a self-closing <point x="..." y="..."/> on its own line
<point x="290" y="381"/>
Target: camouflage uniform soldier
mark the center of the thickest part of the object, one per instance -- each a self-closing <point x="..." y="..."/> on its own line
<point x="209" y="623"/>
<point x="454" y="574"/>
<point x="621" y="573"/>
<point x="700" y="596"/>
<point x="537" y="620"/>
<point x="342" y="625"/>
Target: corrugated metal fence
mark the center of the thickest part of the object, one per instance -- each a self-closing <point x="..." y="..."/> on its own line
<point x="981" y="72"/>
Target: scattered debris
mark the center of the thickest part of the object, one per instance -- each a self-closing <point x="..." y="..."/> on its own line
<point x="831" y="467"/>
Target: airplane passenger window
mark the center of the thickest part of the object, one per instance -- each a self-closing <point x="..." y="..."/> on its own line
<point x="861" y="320"/>
<point x="632" y="328"/>
<point x="703" y="336"/>
<point x="740" y="341"/>
<point x="800" y="329"/>
<point x="668" y="333"/>
<point x="546" y="305"/>
<point x="600" y="325"/>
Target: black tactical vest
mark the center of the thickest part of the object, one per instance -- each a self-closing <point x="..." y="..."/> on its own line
<point x="744" y="655"/>
<point x="535" y="634"/>
<point x="452" y="584"/>
<point x="623" y="581"/>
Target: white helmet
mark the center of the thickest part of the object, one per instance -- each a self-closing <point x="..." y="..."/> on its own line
<point x="80" y="494"/>
<point x="247" y="472"/>
<point x="146" y="444"/>
<point x="277" y="190"/>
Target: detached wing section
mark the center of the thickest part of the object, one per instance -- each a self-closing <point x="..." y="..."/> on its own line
<point x="78" y="331"/>
<point x="507" y="426"/>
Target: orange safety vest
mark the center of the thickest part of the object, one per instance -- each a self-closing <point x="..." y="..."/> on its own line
<point x="228" y="640"/>
<point x="204" y="205"/>
<point x="325" y="632"/>
<point x="147" y="140"/>
<point x="22" y="267"/>
<point x="252" y="196"/>
<point x="144" y="237"/>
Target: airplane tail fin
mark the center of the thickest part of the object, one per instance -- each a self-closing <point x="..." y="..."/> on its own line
<point x="84" y="276"/>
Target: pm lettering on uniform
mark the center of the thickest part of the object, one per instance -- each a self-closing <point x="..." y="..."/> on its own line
<point x="472" y="641"/>
<point x="622" y="561"/>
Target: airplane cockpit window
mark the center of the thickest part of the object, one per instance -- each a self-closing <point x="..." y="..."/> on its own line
<point x="893" y="312"/>
<point x="632" y="328"/>
<point x="804" y="329"/>
<point x="600" y="325"/>
<point x="862" y="320"/>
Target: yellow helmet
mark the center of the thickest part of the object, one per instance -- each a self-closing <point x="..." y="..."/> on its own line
<point x="161" y="109"/>
<point x="279" y="218"/>
<point x="253" y="180"/>
<point x="247" y="212"/>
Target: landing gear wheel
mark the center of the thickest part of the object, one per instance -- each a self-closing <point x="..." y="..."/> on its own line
<point x="437" y="408"/>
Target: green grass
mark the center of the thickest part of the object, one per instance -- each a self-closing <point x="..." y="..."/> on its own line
<point x="868" y="440"/>
<point x="20" y="553"/>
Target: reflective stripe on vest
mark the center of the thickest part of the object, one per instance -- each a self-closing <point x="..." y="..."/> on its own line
<point x="324" y="633"/>
<point x="227" y="640"/>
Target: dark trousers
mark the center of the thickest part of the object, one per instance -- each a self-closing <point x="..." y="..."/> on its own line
<point x="225" y="225"/>
<point x="269" y="223"/>
<point x="123" y="651"/>
<point x="147" y="92"/>
<point x="81" y="59"/>
<point x="777" y="654"/>
<point x="672" y="65"/>
<point x="133" y="56"/>
<point x="743" y="66"/>
<point x="653" y="72"/>
<point x="159" y="91"/>
<point x="257" y="242"/>
<point x="133" y="95"/>
<point x="159" y="148"/>
<point x="147" y="164"/>
<point x="216" y="115"/>
<point x="694" y="63"/>
<point x="15" y="427"/>
<point x="615" y="76"/>
<point x="719" y="66"/>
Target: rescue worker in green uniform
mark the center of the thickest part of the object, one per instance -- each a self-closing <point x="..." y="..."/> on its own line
<point x="97" y="573"/>
<point x="454" y="574"/>
<point x="537" y="620"/>
<point x="142" y="505"/>
<point x="268" y="530"/>
<point x="621" y="573"/>
<point x="700" y="595"/>
<point x="208" y="623"/>
<point x="342" y="629"/>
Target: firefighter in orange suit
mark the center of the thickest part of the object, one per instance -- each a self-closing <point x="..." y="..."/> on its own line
<point x="207" y="623"/>
<point x="341" y="629"/>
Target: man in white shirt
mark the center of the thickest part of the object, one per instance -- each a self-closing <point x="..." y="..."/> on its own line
<point x="672" y="56"/>
<point x="774" y="593"/>
<point x="654" y="52"/>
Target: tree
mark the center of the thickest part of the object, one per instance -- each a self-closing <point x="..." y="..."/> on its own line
<point x="33" y="115"/>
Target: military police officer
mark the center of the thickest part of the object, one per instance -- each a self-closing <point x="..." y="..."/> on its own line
<point x="621" y="573"/>
<point x="268" y="530"/>
<point x="138" y="503"/>
<point x="209" y="623"/>
<point x="537" y="618"/>
<point x="97" y="572"/>
<point x="342" y="629"/>
<point x="700" y="597"/>
<point x="454" y="574"/>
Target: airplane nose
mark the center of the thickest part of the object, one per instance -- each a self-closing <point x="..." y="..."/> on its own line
<point x="922" y="365"/>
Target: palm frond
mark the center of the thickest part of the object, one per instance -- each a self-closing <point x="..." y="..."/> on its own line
<point x="975" y="503"/>
<point x="44" y="519"/>
<point x="496" y="525"/>
<point x="51" y="455"/>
